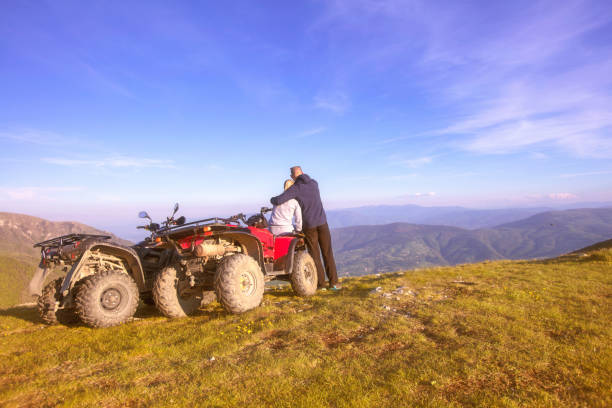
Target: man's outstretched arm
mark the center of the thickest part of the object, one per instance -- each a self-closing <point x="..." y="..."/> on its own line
<point x="290" y="193"/>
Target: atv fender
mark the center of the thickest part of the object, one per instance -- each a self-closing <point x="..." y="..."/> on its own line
<point x="291" y="255"/>
<point x="120" y="251"/>
<point x="251" y="245"/>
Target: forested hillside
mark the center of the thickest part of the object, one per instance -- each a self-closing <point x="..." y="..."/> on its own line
<point x="381" y="248"/>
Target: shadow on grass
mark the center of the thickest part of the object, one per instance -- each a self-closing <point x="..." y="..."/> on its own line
<point x="30" y="314"/>
<point x="145" y="311"/>
<point x="26" y="313"/>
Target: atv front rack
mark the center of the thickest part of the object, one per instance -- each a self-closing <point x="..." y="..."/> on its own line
<point x="235" y="220"/>
<point x="68" y="239"/>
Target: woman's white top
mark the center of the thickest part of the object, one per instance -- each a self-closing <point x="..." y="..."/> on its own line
<point x="281" y="220"/>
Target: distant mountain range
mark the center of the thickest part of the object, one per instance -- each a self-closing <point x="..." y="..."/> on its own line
<point x="461" y="217"/>
<point x="365" y="249"/>
<point x="381" y="248"/>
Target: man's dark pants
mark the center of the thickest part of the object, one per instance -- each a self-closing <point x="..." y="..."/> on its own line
<point x="319" y="237"/>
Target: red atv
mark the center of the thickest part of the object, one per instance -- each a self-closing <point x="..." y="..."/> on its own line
<point x="231" y="258"/>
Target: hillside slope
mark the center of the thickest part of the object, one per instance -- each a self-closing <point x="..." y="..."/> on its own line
<point x="382" y="248"/>
<point x="18" y="232"/>
<point x="495" y="334"/>
<point x="18" y="259"/>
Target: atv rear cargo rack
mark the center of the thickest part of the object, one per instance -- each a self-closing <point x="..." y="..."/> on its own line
<point x="68" y="239"/>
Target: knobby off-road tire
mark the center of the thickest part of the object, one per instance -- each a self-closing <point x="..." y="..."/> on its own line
<point x="239" y="283"/>
<point x="48" y="305"/>
<point x="304" y="276"/>
<point x="107" y="298"/>
<point x="167" y="297"/>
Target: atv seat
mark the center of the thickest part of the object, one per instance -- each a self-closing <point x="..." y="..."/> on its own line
<point x="285" y="234"/>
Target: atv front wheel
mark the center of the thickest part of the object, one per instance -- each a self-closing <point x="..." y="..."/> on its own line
<point x="239" y="283"/>
<point x="304" y="276"/>
<point x="170" y="299"/>
<point x="48" y="305"/>
<point x="107" y="298"/>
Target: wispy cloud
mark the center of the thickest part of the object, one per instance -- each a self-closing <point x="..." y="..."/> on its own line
<point x="214" y="167"/>
<point x="533" y="78"/>
<point x="419" y="195"/>
<point x="429" y="194"/>
<point x="336" y="102"/>
<point x="104" y="81"/>
<point x="312" y="132"/>
<point x="547" y="89"/>
<point x="112" y="162"/>
<point x="30" y="193"/>
<point x="411" y="163"/>
<point x="562" y="196"/>
<point x="587" y="173"/>
<point x="34" y="136"/>
<point x="401" y="177"/>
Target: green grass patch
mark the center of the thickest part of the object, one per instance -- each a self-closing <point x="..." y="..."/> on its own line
<point x="500" y="334"/>
<point x="16" y="271"/>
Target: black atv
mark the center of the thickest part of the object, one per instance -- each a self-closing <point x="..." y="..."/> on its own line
<point x="104" y="280"/>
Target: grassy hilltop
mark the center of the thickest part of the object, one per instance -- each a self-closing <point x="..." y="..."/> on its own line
<point x="507" y="333"/>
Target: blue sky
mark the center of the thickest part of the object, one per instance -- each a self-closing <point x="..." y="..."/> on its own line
<point x="112" y="107"/>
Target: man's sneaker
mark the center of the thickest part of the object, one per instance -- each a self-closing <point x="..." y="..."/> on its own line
<point x="335" y="287"/>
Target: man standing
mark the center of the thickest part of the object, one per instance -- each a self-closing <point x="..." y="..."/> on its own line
<point x="306" y="192"/>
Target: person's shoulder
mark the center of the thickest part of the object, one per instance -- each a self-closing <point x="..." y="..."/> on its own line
<point x="306" y="179"/>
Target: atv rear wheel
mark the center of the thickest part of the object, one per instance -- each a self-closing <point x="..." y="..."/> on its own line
<point x="304" y="276"/>
<point x="239" y="283"/>
<point x="48" y="305"/>
<point x="168" y="297"/>
<point x="107" y="298"/>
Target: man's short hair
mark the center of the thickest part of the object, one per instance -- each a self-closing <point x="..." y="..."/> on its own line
<point x="296" y="169"/>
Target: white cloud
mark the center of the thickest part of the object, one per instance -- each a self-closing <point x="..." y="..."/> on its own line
<point x="112" y="162"/>
<point x="412" y="163"/>
<point x="587" y="173"/>
<point x="562" y="196"/>
<point x="312" y="132"/>
<point x="538" y="156"/>
<point x="214" y="167"/>
<point x="418" y="195"/>
<point x="336" y="102"/>
<point x="35" y="136"/>
<point x="30" y="193"/>
<point x="400" y="177"/>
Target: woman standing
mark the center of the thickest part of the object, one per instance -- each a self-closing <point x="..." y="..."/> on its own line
<point x="281" y="220"/>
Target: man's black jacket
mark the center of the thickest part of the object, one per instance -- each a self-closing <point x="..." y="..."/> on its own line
<point x="306" y="192"/>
